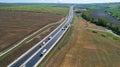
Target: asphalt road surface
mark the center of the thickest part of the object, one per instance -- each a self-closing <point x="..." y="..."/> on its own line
<point x="47" y="42"/>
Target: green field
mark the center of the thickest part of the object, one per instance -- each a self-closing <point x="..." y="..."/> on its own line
<point x="114" y="11"/>
<point x="109" y="36"/>
<point x="37" y="8"/>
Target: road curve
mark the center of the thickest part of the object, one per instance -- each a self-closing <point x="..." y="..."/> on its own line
<point x="33" y="56"/>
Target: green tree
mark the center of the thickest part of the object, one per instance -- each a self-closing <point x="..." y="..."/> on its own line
<point x="102" y="22"/>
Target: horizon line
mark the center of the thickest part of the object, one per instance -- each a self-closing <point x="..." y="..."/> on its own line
<point x="58" y="3"/>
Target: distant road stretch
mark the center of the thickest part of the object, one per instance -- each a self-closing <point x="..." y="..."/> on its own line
<point x="37" y="53"/>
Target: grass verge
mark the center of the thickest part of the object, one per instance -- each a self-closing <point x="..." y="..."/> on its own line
<point x="60" y="44"/>
<point x="89" y="49"/>
<point x="108" y="35"/>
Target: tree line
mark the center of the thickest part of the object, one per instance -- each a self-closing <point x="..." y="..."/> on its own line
<point x="101" y="22"/>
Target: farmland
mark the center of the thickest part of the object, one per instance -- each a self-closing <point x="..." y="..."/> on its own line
<point x="100" y="13"/>
<point x="14" y="54"/>
<point x="19" y="21"/>
<point x="36" y="8"/>
<point x="107" y="11"/>
<point x="114" y="11"/>
<point x="88" y="48"/>
<point x="16" y="25"/>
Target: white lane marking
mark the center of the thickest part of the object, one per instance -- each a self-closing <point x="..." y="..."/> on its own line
<point x="14" y="46"/>
<point x="54" y="43"/>
<point x="38" y="51"/>
<point x="50" y="48"/>
<point x="35" y="45"/>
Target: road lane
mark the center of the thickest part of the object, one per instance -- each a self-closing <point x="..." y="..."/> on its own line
<point x="21" y="60"/>
<point x="31" y="62"/>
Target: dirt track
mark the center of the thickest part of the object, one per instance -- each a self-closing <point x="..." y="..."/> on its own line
<point x="16" y="25"/>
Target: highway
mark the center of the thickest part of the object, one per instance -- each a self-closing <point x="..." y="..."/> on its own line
<point x="32" y="56"/>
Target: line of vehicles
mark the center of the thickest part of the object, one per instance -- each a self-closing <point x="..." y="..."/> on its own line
<point x="45" y="41"/>
<point x="49" y="38"/>
<point x="65" y="27"/>
<point x="33" y="56"/>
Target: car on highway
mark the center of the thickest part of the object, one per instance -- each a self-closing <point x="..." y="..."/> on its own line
<point x="63" y="28"/>
<point x="43" y="42"/>
<point x="66" y="26"/>
<point x="46" y="41"/>
<point x="49" y="37"/>
<point x="41" y="45"/>
<point x="43" y="52"/>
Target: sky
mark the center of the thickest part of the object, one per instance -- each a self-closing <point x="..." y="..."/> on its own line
<point x="58" y="1"/>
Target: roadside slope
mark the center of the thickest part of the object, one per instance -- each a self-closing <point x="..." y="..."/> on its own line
<point x="88" y="48"/>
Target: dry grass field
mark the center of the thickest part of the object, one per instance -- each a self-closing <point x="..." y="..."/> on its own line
<point x="14" y="26"/>
<point x="30" y="23"/>
<point x="22" y="49"/>
<point x="88" y="48"/>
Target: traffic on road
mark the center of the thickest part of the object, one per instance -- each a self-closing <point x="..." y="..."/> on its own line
<point x="38" y="52"/>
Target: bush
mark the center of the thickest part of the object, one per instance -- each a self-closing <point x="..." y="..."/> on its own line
<point x="101" y="22"/>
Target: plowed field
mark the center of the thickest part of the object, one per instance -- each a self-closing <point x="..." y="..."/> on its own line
<point x="14" y="26"/>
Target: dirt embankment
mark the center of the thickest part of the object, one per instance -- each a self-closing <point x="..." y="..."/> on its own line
<point x="14" y="26"/>
<point x="87" y="49"/>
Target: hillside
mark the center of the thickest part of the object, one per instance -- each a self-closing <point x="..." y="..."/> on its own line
<point x="89" y="46"/>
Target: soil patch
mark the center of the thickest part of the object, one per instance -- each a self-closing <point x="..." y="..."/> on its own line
<point x="14" y="26"/>
<point x="19" y="51"/>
